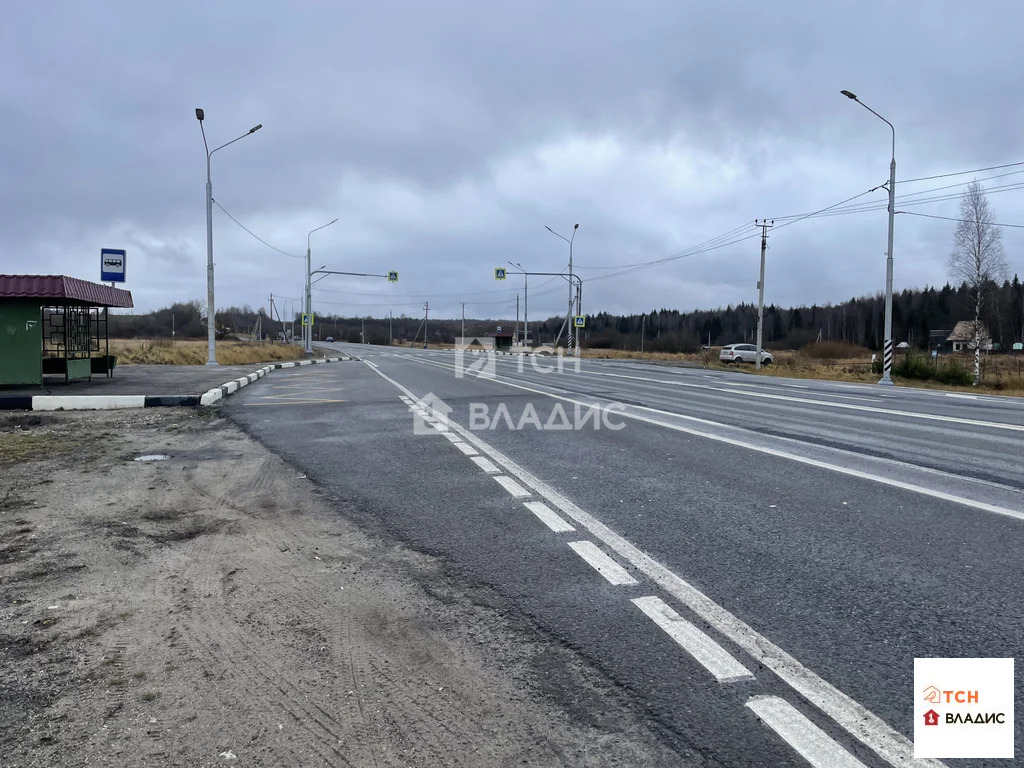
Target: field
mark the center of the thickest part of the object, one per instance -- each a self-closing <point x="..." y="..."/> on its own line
<point x="193" y="352"/>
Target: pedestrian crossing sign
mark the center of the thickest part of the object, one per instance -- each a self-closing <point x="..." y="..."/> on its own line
<point x="499" y="273"/>
<point x="307" y="319"/>
<point x="580" y="321"/>
<point x="393" y="276"/>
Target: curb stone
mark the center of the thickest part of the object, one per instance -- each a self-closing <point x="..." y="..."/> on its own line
<point x="107" y="402"/>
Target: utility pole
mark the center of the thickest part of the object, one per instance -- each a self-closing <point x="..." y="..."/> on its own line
<point x="389" y="328"/>
<point x="426" y="316"/>
<point x="643" y="327"/>
<point x="526" y="309"/>
<point x="765" y="225"/>
<point x="463" y="322"/>
<point x="568" y="318"/>
<point x="362" y="330"/>
<point x="517" y="314"/>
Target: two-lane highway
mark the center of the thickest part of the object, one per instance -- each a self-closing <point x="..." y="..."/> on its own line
<point x="755" y="562"/>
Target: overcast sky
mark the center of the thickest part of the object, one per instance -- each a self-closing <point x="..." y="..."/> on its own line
<point x="446" y="135"/>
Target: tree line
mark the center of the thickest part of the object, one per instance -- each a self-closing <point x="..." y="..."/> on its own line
<point x="916" y="314"/>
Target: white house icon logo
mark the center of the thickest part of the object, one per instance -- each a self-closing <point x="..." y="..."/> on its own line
<point x="932" y="695"/>
<point x="430" y="415"/>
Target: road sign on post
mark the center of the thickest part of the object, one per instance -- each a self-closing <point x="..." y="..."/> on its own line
<point x="112" y="265"/>
<point x="499" y="273"/>
<point x="393" y="276"/>
<point x="580" y="321"/>
<point x="307" y="319"/>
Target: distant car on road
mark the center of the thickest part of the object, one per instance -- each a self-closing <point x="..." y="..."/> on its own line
<point x="329" y="339"/>
<point x="744" y="353"/>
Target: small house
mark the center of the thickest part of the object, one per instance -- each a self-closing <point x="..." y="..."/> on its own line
<point x="962" y="337"/>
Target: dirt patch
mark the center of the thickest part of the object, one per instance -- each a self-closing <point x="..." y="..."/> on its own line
<point x="212" y="609"/>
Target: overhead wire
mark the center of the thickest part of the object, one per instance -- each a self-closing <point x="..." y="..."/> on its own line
<point x="959" y="173"/>
<point x="949" y="218"/>
<point x="271" y="247"/>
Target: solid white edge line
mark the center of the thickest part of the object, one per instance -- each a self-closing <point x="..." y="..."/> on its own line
<point x="548" y="516"/>
<point x="845" y="406"/>
<point x="712" y="656"/>
<point x="485" y="464"/>
<point x="515" y="489"/>
<point x="796" y="729"/>
<point x="863" y="724"/>
<point x="911" y="487"/>
<point x="592" y="554"/>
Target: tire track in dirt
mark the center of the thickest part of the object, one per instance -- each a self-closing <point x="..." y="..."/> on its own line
<point x="216" y="634"/>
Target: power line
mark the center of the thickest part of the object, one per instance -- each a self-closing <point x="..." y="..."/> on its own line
<point x="960" y="173"/>
<point x="285" y="253"/>
<point x="948" y="218"/>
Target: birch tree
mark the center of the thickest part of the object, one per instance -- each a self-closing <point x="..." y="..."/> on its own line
<point x="977" y="259"/>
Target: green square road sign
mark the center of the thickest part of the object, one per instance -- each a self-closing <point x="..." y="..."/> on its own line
<point x="306" y="319"/>
<point x="393" y="276"/>
<point x="499" y="273"/>
<point x="580" y="321"/>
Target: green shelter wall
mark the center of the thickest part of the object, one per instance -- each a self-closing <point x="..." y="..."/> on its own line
<point x="21" y="342"/>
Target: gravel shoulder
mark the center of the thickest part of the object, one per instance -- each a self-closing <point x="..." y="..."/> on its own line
<point x="215" y="609"/>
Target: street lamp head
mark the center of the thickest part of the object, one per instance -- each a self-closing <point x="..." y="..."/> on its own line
<point x="549" y="229"/>
<point x="200" y="114"/>
<point x="255" y="128"/>
<point x="331" y="222"/>
<point x="575" y="226"/>
<point x="849" y="94"/>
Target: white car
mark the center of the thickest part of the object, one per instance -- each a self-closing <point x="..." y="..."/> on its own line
<point x="744" y="353"/>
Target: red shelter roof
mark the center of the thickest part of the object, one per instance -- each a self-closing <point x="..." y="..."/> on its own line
<point x="61" y="289"/>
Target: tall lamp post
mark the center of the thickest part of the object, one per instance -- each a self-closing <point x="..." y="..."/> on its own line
<point x="526" y="302"/>
<point x="887" y="349"/>
<point x="211" y="325"/>
<point x="307" y="330"/>
<point x="570" y="339"/>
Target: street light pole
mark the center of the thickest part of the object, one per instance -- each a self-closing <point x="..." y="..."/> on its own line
<point x="307" y="335"/>
<point x="887" y="348"/>
<point x="569" y="323"/>
<point x="211" y="324"/>
<point x="526" y="301"/>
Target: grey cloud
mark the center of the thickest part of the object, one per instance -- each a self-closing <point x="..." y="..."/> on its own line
<point x="423" y="126"/>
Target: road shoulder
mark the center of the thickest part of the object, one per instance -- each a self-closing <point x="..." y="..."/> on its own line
<point x="214" y="606"/>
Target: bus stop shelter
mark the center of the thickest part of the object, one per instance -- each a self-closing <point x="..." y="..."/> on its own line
<point x="55" y="325"/>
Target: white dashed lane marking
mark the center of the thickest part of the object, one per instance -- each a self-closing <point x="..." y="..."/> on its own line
<point x="515" y="489"/>
<point x="548" y="516"/>
<point x="466" y="449"/>
<point x="487" y="466"/>
<point x="813" y="744"/>
<point x="713" y="657"/>
<point x="613" y="572"/>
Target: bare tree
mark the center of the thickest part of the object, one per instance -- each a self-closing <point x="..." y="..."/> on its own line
<point x="977" y="258"/>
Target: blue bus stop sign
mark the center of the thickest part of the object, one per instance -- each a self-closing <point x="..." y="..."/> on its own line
<point x="112" y="265"/>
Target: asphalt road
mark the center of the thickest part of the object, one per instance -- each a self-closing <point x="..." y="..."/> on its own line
<point x="756" y="562"/>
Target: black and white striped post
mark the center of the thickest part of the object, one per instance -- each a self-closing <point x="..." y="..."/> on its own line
<point x="887" y="348"/>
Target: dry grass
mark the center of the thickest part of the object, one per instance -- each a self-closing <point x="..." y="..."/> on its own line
<point x="193" y="352"/>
